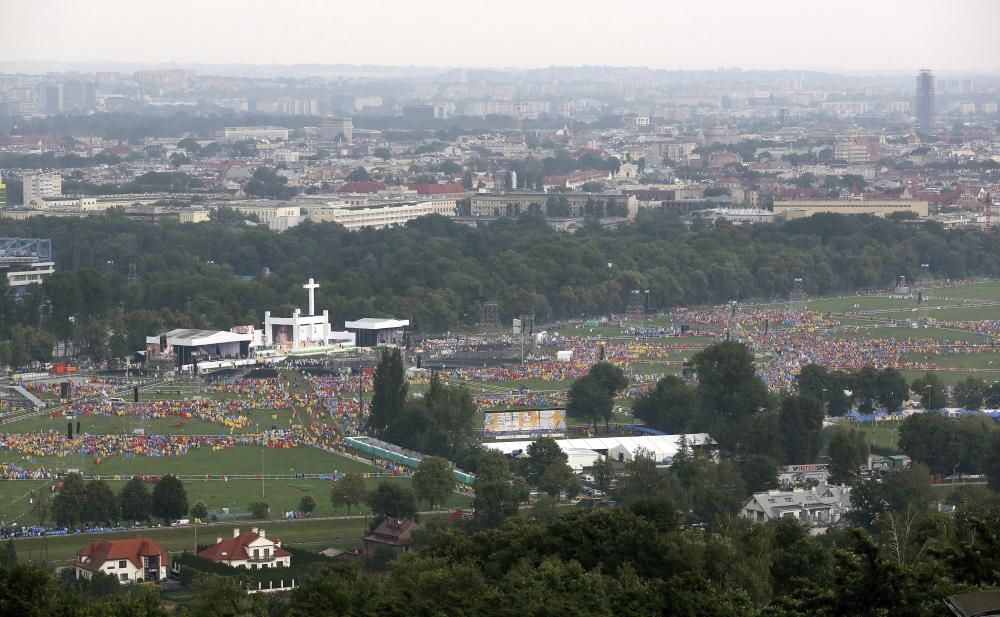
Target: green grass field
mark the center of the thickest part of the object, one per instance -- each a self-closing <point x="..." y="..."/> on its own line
<point x="948" y="378"/>
<point x="978" y="291"/>
<point x="281" y="495"/>
<point x="936" y="334"/>
<point x="966" y="360"/>
<point x="885" y="437"/>
<point x="232" y="461"/>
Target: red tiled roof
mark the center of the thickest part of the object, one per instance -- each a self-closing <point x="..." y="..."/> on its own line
<point x="361" y="187"/>
<point x="133" y="549"/>
<point x="234" y="549"/>
<point x="394" y="530"/>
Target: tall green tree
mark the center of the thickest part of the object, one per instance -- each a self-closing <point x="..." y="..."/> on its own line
<point x="200" y="512"/>
<point x="891" y="388"/>
<point x="392" y="500"/>
<point x="307" y="504"/>
<point x="347" y="491"/>
<point x="727" y="384"/>
<point x="848" y="452"/>
<point x="135" y="501"/>
<point x="589" y="400"/>
<point x="970" y="393"/>
<point x="496" y="498"/>
<point x="801" y="419"/>
<point x="433" y="480"/>
<point x="100" y="503"/>
<point x="667" y="407"/>
<point x="931" y="439"/>
<point x="68" y="505"/>
<point x="728" y="392"/>
<point x="169" y="500"/>
<point x="931" y="390"/>
<point x="611" y="377"/>
<point x="541" y="453"/>
<point x="390" y="390"/>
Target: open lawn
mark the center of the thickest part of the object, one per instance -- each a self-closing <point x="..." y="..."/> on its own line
<point x="937" y="334"/>
<point x="964" y="360"/>
<point x="978" y="291"/>
<point x="884" y="437"/>
<point x="949" y="312"/>
<point x="200" y="461"/>
<point x="855" y="304"/>
<point x="948" y="378"/>
<point x="281" y="495"/>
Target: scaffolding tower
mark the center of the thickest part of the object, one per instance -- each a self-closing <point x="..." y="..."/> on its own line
<point x="634" y="309"/>
<point x="798" y="290"/>
<point x="133" y="276"/>
<point x="490" y="316"/>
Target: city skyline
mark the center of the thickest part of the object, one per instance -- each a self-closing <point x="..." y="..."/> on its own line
<point x="885" y="36"/>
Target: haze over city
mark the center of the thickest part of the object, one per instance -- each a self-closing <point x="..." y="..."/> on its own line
<point x="852" y="35"/>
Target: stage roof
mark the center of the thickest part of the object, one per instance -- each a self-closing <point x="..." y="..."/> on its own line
<point x="183" y="337"/>
<point x="375" y="323"/>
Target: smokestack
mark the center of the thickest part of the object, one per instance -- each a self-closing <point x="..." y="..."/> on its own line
<point x="261" y="533"/>
<point x="236" y="532"/>
<point x="218" y="540"/>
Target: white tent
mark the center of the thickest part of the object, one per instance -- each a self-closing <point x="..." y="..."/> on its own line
<point x="661" y="447"/>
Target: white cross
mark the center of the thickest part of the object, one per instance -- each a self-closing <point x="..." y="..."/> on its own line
<point x="312" y="287"/>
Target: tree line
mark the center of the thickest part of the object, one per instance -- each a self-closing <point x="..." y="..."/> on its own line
<point x="638" y="559"/>
<point x="438" y="274"/>
<point x="80" y="502"/>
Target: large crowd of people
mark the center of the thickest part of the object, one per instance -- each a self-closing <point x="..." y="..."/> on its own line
<point x="94" y="386"/>
<point x="56" y="444"/>
<point x="327" y="407"/>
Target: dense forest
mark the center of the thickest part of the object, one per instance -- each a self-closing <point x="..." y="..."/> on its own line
<point x="634" y="560"/>
<point x="438" y="273"/>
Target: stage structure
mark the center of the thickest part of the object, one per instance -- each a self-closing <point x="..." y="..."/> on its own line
<point x="490" y="316"/>
<point x="304" y="334"/>
<point x="375" y="332"/>
<point x="189" y="346"/>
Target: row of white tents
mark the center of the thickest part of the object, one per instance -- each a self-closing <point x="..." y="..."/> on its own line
<point x="584" y="451"/>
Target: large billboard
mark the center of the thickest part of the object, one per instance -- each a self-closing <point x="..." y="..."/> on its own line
<point x="535" y="420"/>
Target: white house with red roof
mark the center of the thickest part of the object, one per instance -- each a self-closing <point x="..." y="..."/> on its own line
<point x="133" y="559"/>
<point x="252" y="550"/>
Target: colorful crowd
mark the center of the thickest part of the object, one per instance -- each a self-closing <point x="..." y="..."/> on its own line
<point x="56" y="444"/>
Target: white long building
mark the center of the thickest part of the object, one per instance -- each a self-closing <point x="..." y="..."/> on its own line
<point x="243" y="133"/>
<point x="376" y="216"/>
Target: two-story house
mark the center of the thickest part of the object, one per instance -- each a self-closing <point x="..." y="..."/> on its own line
<point x="133" y="559"/>
<point x="252" y="550"/>
<point x="819" y="508"/>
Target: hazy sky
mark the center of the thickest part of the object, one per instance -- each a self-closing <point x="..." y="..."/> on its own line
<point x="849" y="35"/>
